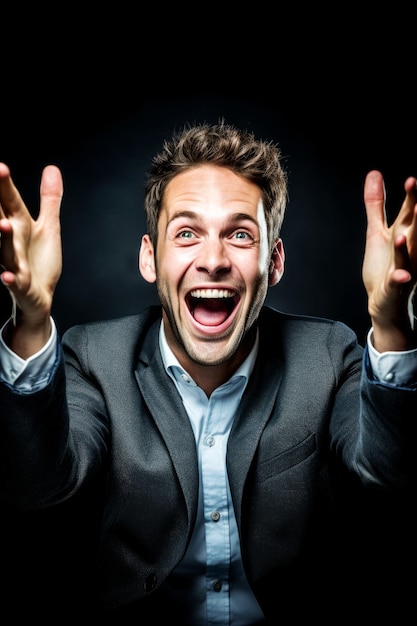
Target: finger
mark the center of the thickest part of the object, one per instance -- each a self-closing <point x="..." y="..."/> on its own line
<point x="10" y="199"/>
<point x="402" y="271"/>
<point x="407" y="212"/>
<point x="51" y="192"/>
<point x="374" y="197"/>
<point x="4" y="173"/>
<point x="410" y="186"/>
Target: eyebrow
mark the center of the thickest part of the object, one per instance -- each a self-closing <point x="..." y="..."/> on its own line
<point x="235" y="218"/>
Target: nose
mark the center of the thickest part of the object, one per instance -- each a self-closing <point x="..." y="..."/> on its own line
<point x="213" y="257"/>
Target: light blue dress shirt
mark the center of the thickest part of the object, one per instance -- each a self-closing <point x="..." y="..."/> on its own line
<point x="212" y="568"/>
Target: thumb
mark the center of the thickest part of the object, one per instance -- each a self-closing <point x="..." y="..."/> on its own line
<point x="51" y="191"/>
<point x="374" y="197"/>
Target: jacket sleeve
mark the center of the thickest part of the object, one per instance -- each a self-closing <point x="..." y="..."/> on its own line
<point x="42" y="460"/>
<point x="381" y="450"/>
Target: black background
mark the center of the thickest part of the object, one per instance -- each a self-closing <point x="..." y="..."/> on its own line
<point x="96" y="98"/>
<point x="96" y="91"/>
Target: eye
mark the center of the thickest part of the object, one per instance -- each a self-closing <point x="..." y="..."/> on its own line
<point x="243" y="235"/>
<point x="185" y="234"/>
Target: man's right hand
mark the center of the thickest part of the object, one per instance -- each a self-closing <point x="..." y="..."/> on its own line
<point x="31" y="258"/>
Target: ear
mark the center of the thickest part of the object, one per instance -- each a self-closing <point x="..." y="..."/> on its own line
<point x="146" y="260"/>
<point x="276" y="267"/>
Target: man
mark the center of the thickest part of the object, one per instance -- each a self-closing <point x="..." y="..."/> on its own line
<point x="214" y="427"/>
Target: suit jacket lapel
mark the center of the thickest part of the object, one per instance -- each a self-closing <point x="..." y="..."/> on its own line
<point x="168" y="411"/>
<point x="253" y="414"/>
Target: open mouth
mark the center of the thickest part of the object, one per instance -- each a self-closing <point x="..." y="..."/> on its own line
<point x="211" y="307"/>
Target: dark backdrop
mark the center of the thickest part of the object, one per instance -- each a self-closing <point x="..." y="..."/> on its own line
<point x="104" y="153"/>
<point x="96" y="94"/>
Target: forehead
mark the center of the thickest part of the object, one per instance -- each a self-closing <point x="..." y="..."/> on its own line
<point x="211" y="187"/>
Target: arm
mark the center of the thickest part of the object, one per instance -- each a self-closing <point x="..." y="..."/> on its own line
<point x="31" y="259"/>
<point x="390" y="266"/>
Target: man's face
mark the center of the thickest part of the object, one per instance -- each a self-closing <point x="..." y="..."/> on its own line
<point x="211" y="264"/>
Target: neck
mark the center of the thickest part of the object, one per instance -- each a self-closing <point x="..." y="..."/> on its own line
<point x="210" y="377"/>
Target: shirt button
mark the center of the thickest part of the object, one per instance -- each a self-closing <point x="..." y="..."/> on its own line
<point x="217" y="585"/>
<point x="389" y="376"/>
<point x="210" y="441"/>
<point x="185" y="378"/>
<point x="215" y="516"/>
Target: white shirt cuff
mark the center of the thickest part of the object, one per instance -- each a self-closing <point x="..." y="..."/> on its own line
<point x="33" y="373"/>
<point x="395" y="368"/>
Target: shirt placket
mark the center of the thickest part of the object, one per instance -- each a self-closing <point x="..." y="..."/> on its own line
<point x="216" y="517"/>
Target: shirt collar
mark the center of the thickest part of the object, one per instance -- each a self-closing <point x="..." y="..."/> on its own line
<point x="170" y="360"/>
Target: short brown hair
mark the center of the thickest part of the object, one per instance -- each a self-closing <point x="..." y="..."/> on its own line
<point x="226" y="146"/>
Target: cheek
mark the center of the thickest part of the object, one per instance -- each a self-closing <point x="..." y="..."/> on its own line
<point x="254" y="268"/>
<point x="170" y="271"/>
<point x="174" y="262"/>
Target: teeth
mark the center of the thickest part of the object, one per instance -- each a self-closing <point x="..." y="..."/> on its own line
<point x="212" y="293"/>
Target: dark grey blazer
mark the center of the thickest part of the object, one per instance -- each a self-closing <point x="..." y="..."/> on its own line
<point x="308" y="410"/>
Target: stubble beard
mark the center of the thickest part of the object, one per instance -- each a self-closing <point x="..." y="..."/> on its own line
<point x="208" y="357"/>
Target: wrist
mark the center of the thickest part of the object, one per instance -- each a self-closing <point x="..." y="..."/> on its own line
<point x="26" y="336"/>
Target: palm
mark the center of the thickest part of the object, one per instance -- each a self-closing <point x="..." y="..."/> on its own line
<point x="31" y="251"/>
<point x="390" y="263"/>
